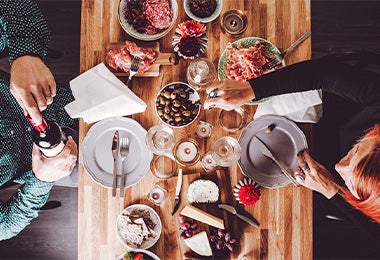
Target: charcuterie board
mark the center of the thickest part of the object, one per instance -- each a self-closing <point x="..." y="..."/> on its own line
<point x="154" y="71"/>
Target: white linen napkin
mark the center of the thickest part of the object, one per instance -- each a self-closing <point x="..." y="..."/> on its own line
<point x="100" y="94"/>
<point x="302" y="107"/>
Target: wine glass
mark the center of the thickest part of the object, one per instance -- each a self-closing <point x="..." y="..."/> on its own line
<point x="160" y="139"/>
<point x="163" y="167"/>
<point x="226" y="151"/>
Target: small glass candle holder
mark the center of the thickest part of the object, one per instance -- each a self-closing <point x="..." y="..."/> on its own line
<point x="186" y="152"/>
<point x="234" y="22"/>
<point x="233" y="120"/>
<point x="160" y="139"/>
<point x="156" y="194"/>
<point x="208" y="161"/>
<point x="203" y="129"/>
<point x="163" y="167"/>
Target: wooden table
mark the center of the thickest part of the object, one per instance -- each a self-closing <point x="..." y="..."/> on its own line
<point x="284" y="214"/>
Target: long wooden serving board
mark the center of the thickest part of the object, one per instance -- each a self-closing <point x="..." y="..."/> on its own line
<point x="154" y="71"/>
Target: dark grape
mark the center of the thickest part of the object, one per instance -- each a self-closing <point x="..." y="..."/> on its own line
<point x="185" y="226"/>
<point x="181" y="218"/>
<point x="221" y="232"/>
<point x="214" y="239"/>
<point x="219" y="245"/>
<point x="233" y="241"/>
<point x="227" y="237"/>
<point x="183" y="235"/>
<point x="194" y="226"/>
<point x="231" y="247"/>
<point x="189" y="233"/>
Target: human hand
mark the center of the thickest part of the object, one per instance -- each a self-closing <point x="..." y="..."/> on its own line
<point x="230" y="94"/>
<point x="33" y="85"/>
<point x="317" y="177"/>
<point x="54" y="168"/>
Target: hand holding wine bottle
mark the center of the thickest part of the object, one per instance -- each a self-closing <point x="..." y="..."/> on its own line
<point x="51" y="169"/>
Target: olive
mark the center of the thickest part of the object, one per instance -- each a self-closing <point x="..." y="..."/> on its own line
<point x="160" y="112"/>
<point x="167" y="110"/>
<point x="173" y="95"/>
<point x="177" y="119"/>
<point x="177" y="103"/>
<point x="183" y="95"/>
<point x="186" y="113"/>
<point x="166" y="94"/>
<point x="161" y="100"/>
<point x="166" y="116"/>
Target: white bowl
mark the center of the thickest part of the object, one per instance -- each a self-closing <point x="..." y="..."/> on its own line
<point x="212" y="17"/>
<point x="193" y="97"/>
<point x="148" y="253"/>
<point x="128" y="28"/>
<point x="155" y="218"/>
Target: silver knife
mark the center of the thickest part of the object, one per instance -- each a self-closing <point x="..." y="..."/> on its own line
<point x="265" y="151"/>
<point x="115" y="154"/>
<point x="232" y="210"/>
<point x="177" y="191"/>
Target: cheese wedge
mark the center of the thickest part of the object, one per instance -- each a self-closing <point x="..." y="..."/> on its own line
<point x="199" y="244"/>
<point x="202" y="216"/>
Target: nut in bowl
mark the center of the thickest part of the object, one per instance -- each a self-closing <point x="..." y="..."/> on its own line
<point x="178" y="104"/>
<point x="147" y="20"/>
<point x="138" y="227"/>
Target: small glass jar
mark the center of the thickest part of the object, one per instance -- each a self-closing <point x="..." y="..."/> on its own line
<point x="208" y="161"/>
<point x="160" y="139"/>
<point x="200" y="73"/>
<point x="226" y="151"/>
<point x="203" y="129"/>
<point x="157" y="194"/>
<point x="186" y="152"/>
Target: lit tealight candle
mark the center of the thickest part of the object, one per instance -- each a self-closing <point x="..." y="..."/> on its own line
<point x="187" y="152"/>
<point x="234" y="22"/>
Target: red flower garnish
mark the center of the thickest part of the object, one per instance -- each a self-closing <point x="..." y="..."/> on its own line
<point x="249" y="194"/>
<point x="191" y="28"/>
<point x="189" y="46"/>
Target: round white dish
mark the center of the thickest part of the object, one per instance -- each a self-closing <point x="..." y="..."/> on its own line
<point x="154" y="217"/>
<point x="97" y="154"/>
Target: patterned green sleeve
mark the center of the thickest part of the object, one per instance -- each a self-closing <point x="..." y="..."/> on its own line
<point x="23" y="207"/>
<point x="23" y="29"/>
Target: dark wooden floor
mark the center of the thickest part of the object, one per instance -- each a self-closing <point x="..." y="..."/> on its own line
<point x="336" y="25"/>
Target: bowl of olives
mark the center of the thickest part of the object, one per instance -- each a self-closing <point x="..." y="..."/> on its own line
<point x="178" y="104"/>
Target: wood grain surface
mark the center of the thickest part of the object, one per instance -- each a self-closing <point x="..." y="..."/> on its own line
<point x="284" y="214"/>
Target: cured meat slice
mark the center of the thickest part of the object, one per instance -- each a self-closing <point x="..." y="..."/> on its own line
<point x="121" y="58"/>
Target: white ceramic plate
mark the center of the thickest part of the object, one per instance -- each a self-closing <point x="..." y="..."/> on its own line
<point x="285" y="141"/>
<point x="212" y="17"/>
<point x="128" y="28"/>
<point x="97" y="154"/>
<point x="154" y="217"/>
<point x="146" y="252"/>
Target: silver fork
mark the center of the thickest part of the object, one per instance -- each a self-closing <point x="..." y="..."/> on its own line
<point x="124" y="151"/>
<point x="135" y="65"/>
<point x="277" y="59"/>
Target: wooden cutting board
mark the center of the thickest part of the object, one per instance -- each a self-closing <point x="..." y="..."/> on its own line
<point x="154" y="71"/>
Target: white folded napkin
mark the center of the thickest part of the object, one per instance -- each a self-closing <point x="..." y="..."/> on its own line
<point x="303" y="107"/>
<point x="100" y="94"/>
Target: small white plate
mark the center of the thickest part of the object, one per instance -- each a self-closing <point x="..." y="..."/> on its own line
<point x="97" y="154"/>
<point x="212" y="17"/>
<point x="154" y="217"/>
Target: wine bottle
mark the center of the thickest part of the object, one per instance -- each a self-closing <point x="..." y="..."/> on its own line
<point x="48" y="136"/>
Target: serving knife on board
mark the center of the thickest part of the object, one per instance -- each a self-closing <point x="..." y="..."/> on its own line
<point x="115" y="154"/>
<point x="233" y="211"/>
<point x="266" y="152"/>
<point x="177" y="192"/>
